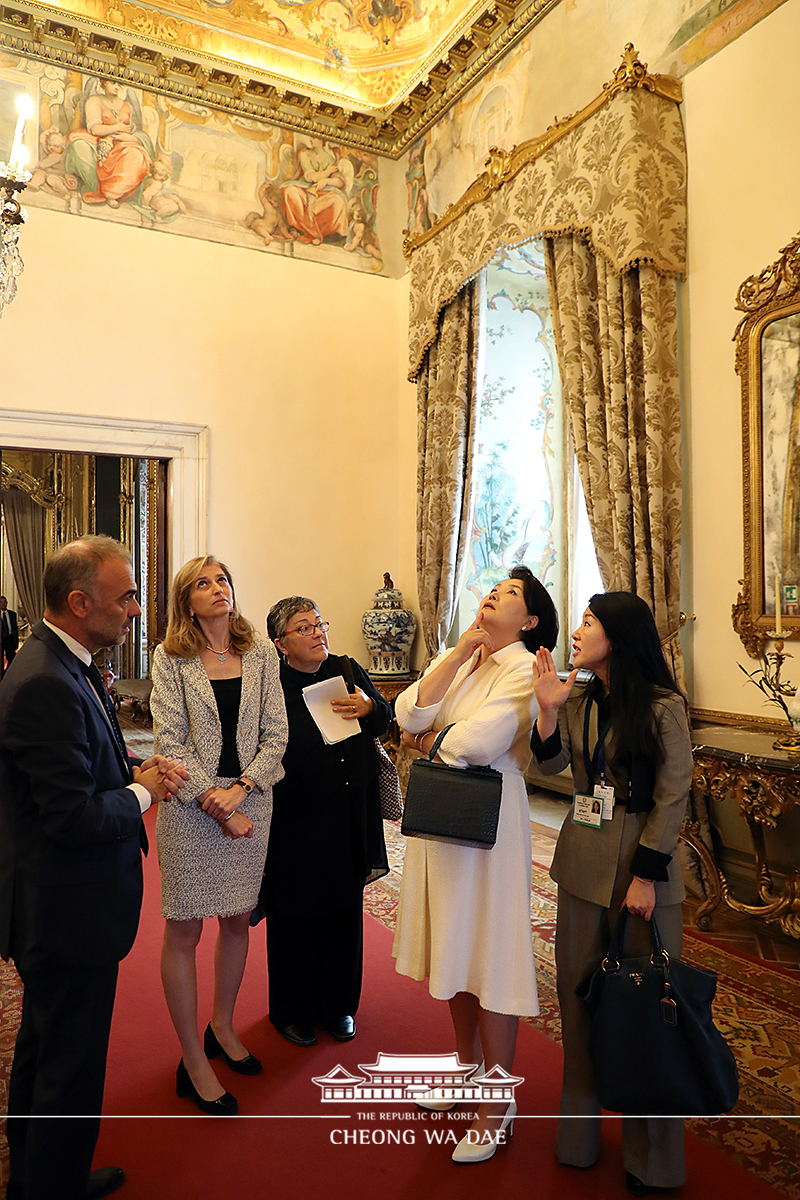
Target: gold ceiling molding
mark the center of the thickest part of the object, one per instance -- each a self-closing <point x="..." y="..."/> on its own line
<point x="154" y="57"/>
<point x="615" y="173"/>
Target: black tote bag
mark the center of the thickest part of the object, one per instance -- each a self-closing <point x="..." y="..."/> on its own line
<point x="653" y="1042"/>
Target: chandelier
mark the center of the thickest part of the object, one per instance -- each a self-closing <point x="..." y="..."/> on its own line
<point x="14" y="178"/>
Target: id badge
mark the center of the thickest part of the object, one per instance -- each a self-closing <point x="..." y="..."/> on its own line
<point x="606" y="794"/>
<point x="587" y="810"/>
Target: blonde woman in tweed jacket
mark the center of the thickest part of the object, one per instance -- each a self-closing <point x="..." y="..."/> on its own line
<point x="217" y="701"/>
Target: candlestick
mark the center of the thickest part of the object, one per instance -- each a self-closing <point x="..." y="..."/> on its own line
<point x="20" y="160"/>
<point x="778" y="606"/>
<point x="25" y="110"/>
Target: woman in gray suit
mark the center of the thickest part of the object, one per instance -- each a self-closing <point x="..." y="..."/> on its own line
<point x="626" y="736"/>
<point x="217" y="700"/>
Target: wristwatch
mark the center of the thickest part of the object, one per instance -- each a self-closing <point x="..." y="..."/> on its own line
<point x="245" y="783"/>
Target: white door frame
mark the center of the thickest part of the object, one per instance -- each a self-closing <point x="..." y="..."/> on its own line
<point x="186" y="447"/>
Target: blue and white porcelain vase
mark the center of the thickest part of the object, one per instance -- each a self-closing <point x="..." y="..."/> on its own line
<point x="388" y="630"/>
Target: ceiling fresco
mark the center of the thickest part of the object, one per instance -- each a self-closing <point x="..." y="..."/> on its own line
<point x="367" y="53"/>
<point x="372" y="74"/>
<point x="376" y="75"/>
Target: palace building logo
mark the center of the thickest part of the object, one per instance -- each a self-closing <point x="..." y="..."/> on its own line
<point x="404" y="1078"/>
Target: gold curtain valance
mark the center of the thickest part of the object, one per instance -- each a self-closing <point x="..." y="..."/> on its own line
<point x="614" y="173"/>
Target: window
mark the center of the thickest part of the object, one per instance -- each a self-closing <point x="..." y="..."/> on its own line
<point x="529" y="506"/>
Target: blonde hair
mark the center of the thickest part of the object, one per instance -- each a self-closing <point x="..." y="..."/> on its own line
<point x="184" y="637"/>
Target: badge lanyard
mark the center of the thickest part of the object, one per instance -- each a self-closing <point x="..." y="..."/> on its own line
<point x="597" y="763"/>
<point x="585" y="808"/>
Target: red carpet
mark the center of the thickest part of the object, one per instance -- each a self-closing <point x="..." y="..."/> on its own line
<point x="282" y="1146"/>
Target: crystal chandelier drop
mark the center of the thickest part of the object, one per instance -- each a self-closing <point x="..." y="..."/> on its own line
<point x="14" y="178"/>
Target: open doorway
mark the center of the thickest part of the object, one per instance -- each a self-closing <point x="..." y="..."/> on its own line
<point x="52" y="496"/>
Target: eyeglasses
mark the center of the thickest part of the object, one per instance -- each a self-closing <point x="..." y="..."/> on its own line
<point x="309" y="630"/>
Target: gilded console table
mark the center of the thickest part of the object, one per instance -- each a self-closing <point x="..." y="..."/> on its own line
<point x="765" y="783"/>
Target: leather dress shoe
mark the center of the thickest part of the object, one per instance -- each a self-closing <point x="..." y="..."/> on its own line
<point x="104" y="1182"/>
<point x="224" y="1106"/>
<point x="298" y="1035"/>
<point x="637" y="1187"/>
<point x="343" y="1029"/>
<point x="249" y="1065"/>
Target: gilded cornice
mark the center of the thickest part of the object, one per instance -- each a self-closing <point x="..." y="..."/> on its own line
<point x="503" y="165"/>
<point x="157" y="59"/>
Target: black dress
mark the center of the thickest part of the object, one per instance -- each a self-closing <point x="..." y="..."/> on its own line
<point x="326" y="841"/>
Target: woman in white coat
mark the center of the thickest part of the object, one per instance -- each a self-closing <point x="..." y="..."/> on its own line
<point x="464" y="919"/>
<point x="217" y="701"/>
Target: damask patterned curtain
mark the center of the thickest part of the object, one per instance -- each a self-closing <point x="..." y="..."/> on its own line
<point x="606" y="189"/>
<point x="25" y="522"/>
<point x="446" y="431"/>
<point x="616" y="338"/>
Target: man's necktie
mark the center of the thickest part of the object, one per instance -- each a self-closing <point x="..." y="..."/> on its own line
<point x="96" y="680"/>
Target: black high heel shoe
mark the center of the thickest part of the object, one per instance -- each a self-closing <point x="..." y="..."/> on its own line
<point x="243" y="1066"/>
<point x="225" y="1106"/>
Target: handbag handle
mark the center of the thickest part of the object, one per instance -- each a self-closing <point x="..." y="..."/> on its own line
<point x="614" y="953"/>
<point x="434" y="750"/>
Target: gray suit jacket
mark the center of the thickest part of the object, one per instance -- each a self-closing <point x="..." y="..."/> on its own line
<point x="587" y="860"/>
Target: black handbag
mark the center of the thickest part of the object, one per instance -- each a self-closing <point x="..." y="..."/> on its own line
<point x="389" y="790"/>
<point x="653" y="1042"/>
<point x="452" y="804"/>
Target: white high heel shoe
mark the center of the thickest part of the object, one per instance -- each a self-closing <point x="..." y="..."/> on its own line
<point x="474" y="1152"/>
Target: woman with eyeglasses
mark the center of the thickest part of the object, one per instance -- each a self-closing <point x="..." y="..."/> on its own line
<point x="326" y="840"/>
<point x="218" y="704"/>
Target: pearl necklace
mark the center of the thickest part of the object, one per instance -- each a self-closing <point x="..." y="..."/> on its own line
<point x="220" y="653"/>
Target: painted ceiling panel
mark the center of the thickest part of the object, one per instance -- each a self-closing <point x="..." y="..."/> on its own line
<point x="366" y="53"/>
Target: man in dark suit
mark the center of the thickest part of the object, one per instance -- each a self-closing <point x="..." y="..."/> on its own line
<point x="9" y="634"/>
<point x="71" y="837"/>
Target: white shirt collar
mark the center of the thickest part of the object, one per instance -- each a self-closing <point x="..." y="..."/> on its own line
<point x="77" y="649"/>
<point x="507" y="651"/>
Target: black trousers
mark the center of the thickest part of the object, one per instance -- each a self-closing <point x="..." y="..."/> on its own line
<point x="58" y="1072"/>
<point x="315" y="964"/>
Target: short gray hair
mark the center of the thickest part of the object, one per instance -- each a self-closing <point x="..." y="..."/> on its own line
<point x="74" y="567"/>
<point x="281" y="614"/>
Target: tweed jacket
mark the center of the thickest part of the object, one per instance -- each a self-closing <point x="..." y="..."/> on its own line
<point x="587" y="860"/>
<point x="186" y="721"/>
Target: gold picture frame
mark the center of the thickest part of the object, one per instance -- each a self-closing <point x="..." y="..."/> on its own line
<point x="768" y="364"/>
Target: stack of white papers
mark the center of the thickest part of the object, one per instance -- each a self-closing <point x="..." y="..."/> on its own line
<point x="332" y="725"/>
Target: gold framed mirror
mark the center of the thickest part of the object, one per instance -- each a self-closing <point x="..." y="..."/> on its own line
<point x="768" y="363"/>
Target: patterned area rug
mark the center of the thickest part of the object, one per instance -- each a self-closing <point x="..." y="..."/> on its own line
<point x="757" y="1010"/>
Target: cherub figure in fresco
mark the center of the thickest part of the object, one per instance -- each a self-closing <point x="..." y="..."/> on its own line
<point x="164" y="204"/>
<point x="270" y="224"/>
<point x="315" y="200"/>
<point x="112" y="154"/>
<point x="50" y="173"/>
<point x="361" y="235"/>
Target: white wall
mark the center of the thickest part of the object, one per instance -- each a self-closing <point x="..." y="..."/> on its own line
<point x="296" y="368"/>
<point x="742" y="117"/>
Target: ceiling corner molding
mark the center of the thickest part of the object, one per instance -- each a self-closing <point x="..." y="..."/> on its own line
<point x="45" y="33"/>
